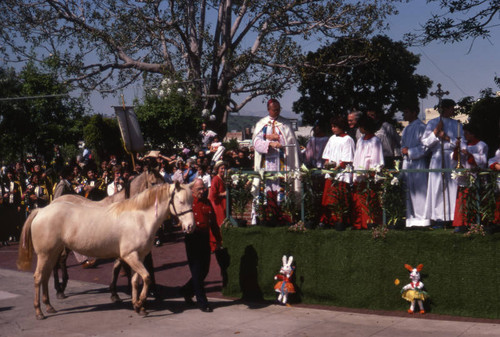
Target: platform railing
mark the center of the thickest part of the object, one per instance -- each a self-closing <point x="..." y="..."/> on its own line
<point x="477" y="184"/>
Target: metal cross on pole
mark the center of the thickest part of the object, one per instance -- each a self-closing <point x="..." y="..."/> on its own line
<point x="439" y="93"/>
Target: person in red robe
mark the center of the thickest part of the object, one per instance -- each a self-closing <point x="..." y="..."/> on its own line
<point x="217" y="196"/>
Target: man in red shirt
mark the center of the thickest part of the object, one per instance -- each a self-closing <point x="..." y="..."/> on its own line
<point x="198" y="246"/>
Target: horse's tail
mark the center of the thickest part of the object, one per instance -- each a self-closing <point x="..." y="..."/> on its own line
<point x="25" y="253"/>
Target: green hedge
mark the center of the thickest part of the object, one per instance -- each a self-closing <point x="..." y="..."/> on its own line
<point x="351" y="269"/>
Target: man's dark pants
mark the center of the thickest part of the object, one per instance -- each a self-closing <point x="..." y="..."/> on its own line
<point x="198" y="255"/>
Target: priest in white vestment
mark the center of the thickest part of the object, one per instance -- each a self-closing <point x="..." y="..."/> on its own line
<point x="276" y="149"/>
<point x="441" y="130"/>
<point x="414" y="157"/>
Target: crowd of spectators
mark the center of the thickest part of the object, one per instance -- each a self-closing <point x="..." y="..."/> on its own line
<point x="32" y="183"/>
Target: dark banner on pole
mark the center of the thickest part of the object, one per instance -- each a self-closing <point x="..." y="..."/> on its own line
<point x="129" y="127"/>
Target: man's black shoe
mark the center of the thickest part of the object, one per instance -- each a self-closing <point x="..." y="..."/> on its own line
<point x="187" y="298"/>
<point x="206" y="308"/>
<point x="156" y="295"/>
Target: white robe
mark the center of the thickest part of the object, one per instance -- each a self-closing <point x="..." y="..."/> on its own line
<point x="415" y="182"/>
<point x="368" y="154"/>
<point x="480" y="153"/>
<point x="495" y="160"/>
<point x="338" y="150"/>
<point x="435" y="207"/>
<point x="268" y="158"/>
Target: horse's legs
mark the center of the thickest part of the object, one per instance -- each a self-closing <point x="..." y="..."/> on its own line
<point x="57" y="284"/>
<point x="112" y="287"/>
<point x="128" y="273"/>
<point x="37" y="276"/>
<point x="64" y="269"/>
<point x="41" y="277"/>
<point x="61" y="264"/>
<point x="135" y="288"/>
<point x="138" y="267"/>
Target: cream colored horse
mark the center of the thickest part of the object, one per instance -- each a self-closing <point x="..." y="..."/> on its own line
<point x="124" y="229"/>
<point x="143" y="181"/>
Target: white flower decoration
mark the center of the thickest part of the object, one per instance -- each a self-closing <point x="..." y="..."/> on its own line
<point x="395" y="181"/>
<point x="455" y="174"/>
<point x="396" y="164"/>
<point x="378" y="178"/>
<point x="235" y="178"/>
<point x="166" y="82"/>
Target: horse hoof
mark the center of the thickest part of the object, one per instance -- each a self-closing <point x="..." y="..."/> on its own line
<point x="142" y="312"/>
<point x="51" y="310"/>
<point x="40" y="317"/>
<point x="61" y="296"/>
<point x="115" y="299"/>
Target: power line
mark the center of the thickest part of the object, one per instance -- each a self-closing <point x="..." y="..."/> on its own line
<point x="31" y="97"/>
<point x="442" y="72"/>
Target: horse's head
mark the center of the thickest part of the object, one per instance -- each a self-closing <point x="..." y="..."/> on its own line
<point x="181" y="205"/>
<point x="145" y="180"/>
<point x="153" y="177"/>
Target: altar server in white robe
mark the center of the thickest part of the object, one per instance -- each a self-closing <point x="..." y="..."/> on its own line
<point x="368" y="155"/>
<point x="276" y="149"/>
<point x="473" y="154"/>
<point x="414" y="157"/>
<point x="443" y="130"/>
<point x="338" y="154"/>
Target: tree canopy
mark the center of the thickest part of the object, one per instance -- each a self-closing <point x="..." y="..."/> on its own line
<point x="168" y="120"/>
<point x="386" y="79"/>
<point x="484" y="113"/>
<point x="219" y="49"/>
<point x="34" y="116"/>
<point x="461" y="20"/>
<point x="102" y="135"/>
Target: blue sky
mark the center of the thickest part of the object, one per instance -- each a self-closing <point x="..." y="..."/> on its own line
<point x="462" y="70"/>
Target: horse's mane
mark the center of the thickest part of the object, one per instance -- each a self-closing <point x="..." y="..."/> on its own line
<point x="143" y="200"/>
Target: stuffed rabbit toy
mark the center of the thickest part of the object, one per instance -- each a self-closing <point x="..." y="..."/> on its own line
<point x="413" y="292"/>
<point x="285" y="286"/>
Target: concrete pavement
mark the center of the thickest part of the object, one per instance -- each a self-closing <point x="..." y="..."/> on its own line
<point x="88" y="312"/>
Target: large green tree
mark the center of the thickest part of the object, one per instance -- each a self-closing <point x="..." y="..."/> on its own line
<point x="485" y="114"/>
<point x="34" y="116"/>
<point x="102" y="135"/>
<point x="223" y="50"/>
<point x="385" y="79"/>
<point x="168" y="119"/>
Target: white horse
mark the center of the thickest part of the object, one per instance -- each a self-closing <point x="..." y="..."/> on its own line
<point x="124" y="229"/>
<point x="145" y="180"/>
